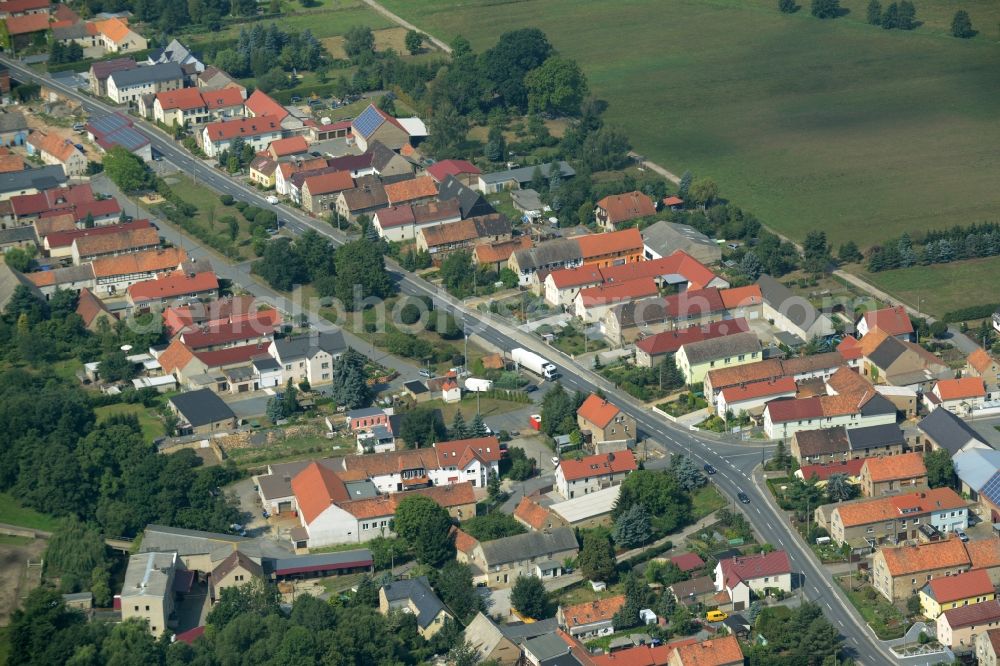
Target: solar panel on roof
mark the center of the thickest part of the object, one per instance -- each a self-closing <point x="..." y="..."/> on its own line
<point x="992" y="488"/>
<point x="127" y="138"/>
<point x="369" y="121"/>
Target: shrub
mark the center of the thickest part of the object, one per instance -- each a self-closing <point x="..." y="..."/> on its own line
<point x="226" y="199"/>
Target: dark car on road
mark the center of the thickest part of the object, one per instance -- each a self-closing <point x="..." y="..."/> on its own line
<point x="742" y="497"/>
<point x="709" y="469"/>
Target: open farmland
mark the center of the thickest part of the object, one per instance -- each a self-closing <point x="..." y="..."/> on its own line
<point x="836" y="125"/>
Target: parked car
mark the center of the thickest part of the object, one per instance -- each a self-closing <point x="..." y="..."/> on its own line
<point x="555" y="460"/>
<point x="961" y="534"/>
<point x="716" y="616"/>
<point x="530" y="388"/>
<point x="743" y="497"/>
<point x="709" y="469"/>
<point x="426" y="373"/>
<point x="271" y="199"/>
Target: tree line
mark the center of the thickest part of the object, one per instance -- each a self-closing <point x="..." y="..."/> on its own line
<point x="937" y="247"/>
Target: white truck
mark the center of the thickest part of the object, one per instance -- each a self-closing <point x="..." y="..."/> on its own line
<point x="478" y="385"/>
<point x="533" y="362"/>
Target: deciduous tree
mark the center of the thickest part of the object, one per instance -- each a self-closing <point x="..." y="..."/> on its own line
<point x="425" y="525"/>
<point x="556" y="88"/>
<point x="529" y="597"/>
<point x="826" y="9"/>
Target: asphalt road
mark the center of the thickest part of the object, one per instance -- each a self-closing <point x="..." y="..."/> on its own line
<point x="735" y="462"/>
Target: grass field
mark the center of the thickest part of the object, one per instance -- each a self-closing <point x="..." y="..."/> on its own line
<point x="12" y="513"/>
<point x="809" y="124"/>
<point x="152" y="426"/>
<point x="942" y="288"/>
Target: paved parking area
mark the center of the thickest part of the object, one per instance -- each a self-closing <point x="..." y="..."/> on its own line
<point x="247" y="408"/>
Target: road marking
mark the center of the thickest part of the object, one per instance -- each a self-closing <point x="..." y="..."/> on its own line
<point x="841" y="623"/>
<point x="769" y="525"/>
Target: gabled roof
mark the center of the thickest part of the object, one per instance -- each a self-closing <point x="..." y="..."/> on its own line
<point x="328" y="183"/>
<point x="825" y="471"/>
<point x="369" y="120"/>
<point x="27" y="24"/>
<point x="726" y="346"/>
<point x="418" y="592"/>
<point x="892" y="468"/>
<point x="150" y="261"/>
<point x="976" y="466"/>
<point x="694" y="303"/>
<point x="669" y="342"/>
<point x="598" y="410"/>
<point x="317" y="487"/>
<point x="222" y="98"/>
<point x="102" y="69"/>
<point x="59" y="147"/>
<point x="308" y="345"/>
<point x="184" y="99"/>
<point x="876" y="510"/>
<point x="589" y="612"/>
<point x="404" y="191"/>
<point x="166" y="71"/>
<point x="847" y="380"/>
<point x="201" y="407"/>
<point x="615" y="293"/>
<point x="90" y="245"/>
<point x="752" y="567"/>
<point x="822" y="441"/>
<point x="89" y="307"/>
<point x="259" y="324"/>
<point x="687" y="561"/>
<point x="500" y="251"/>
<point x="292" y="145"/>
<point x="799" y="311"/>
<point x="741" y="297"/>
<point x="440" y="170"/>
<point x="260" y="104"/>
<point x="965" y="585"/>
<point x="722" y="651"/>
<point x="486" y="449"/>
<point x="960" y="389"/>
<point x="531" y="512"/>
<point x="528" y="545"/>
<point x="246" y="127"/>
<point x="60" y="239"/>
<point x="893" y="321"/>
<point x="568" y="278"/>
<point x="949" y="431"/>
<point x="980" y="360"/>
<point x="628" y="206"/>
<point x="235" y="559"/>
<point x="177" y="284"/>
<point x="736" y="394"/>
<point x="598" y="465"/>
<point x="908" y="560"/>
<point x="983" y="613"/>
<point x="612" y="242"/>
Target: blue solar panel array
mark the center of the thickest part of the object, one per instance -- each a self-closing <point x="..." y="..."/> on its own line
<point x="991" y="490"/>
<point x="109" y="123"/>
<point x="116" y="130"/>
<point x="369" y="121"/>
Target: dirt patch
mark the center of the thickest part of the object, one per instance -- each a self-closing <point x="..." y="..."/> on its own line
<point x="59" y="121"/>
<point x="17" y="579"/>
<point x="389" y="38"/>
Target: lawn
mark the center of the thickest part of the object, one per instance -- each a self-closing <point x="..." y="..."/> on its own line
<point x="705" y="500"/>
<point x="292" y="448"/>
<point x="152" y="426"/>
<point x="488" y="407"/>
<point x="884" y="618"/>
<point x="809" y="124"/>
<point x="941" y="288"/>
<point x="12" y="513"/>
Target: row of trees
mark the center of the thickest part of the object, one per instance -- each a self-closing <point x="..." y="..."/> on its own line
<point x="937" y="247"/>
<point x="259" y="50"/>
<point x="896" y="16"/>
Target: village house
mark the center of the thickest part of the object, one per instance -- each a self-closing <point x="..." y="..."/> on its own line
<point x="942" y="594"/>
<point x="893" y="474"/>
<point x="958" y="628"/>
<point x="401" y="223"/>
<point x="821" y="473"/>
<point x="536" y="517"/>
<point x="167" y="288"/>
<point x="115" y="36"/>
<point x="590" y="619"/>
<point x="869" y="523"/>
<point x="700" y="590"/>
<point x="444" y="463"/>
<point x="30" y="181"/>
<point x="374" y="124"/>
<point x="899" y="573"/>
<point x="616" y="209"/>
<point x="177" y="108"/>
<point x="213" y="79"/>
<point x="591" y="304"/>
<point x="102" y="69"/>
<point x="604" y="421"/>
<point x="719" y="651"/>
<point x="128" y="85"/>
<point x="148" y="590"/>
<point x="262" y="171"/>
<point x="561" y="287"/>
<point x="544" y="258"/>
<point x="981" y="364"/>
<point x="893" y="321"/>
<point x="235" y="571"/>
<point x="26" y="29"/>
<point x="58" y="238"/>
<point x="664" y="238"/>
<point x="256" y="132"/>
<point x="56" y="149"/>
<point x="288" y="147"/>
<point x="783" y="418"/>
<point x="113" y="275"/>
<point x="988" y="647"/>
<point x="367" y="197"/>
<point x="628" y="322"/>
<point x="575" y="478"/>
<point x="652" y="350"/>
<point x="491" y="643"/>
<point x="496" y="254"/>
<point x="442" y="239"/>
<point x="792" y="314"/>
<point x="959" y="396"/>
<point x="88" y="247"/>
<point x="411" y="191"/>
<point x="743" y="576"/>
<point x="470" y="202"/>
<point x="319" y="193"/>
<point x="499" y="563"/>
<point x="752" y="398"/>
<point x="613" y="248"/>
<point x="202" y="412"/>
<point x="889" y="360"/>
<point x="11" y="8"/>
<point x="308" y="356"/>
<point x="695" y="359"/>
<point x="224" y="332"/>
<point x="519" y="177"/>
<point x="415" y="596"/>
<point x="93" y="311"/>
<point x="941" y="429"/>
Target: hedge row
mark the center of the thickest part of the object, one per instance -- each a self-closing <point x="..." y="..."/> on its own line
<point x="972" y="312"/>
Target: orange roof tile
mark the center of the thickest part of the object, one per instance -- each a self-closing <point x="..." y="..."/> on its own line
<point x="906" y="560"/>
<point x="328" y="183"/>
<point x="984" y="553"/>
<point x="849" y="348"/>
<point x="27" y="24"/>
<point x="89" y="307"/>
<point x="175" y="357"/>
<point x="723" y="651"/>
<point x="222" y="98"/>
<point x="879" y="509"/>
<point x="532" y="513"/>
<point x="289" y="146"/>
<point x="736" y="394"/>
<point x="893" y="321"/>
<point x="171" y="286"/>
<point x="491" y="253"/>
<point x="597" y="410"/>
<point x="410" y="190"/>
<point x="114" y="29"/>
<point x="613" y="242"/>
<point x="980" y="360"/>
<point x="458" y="494"/>
<point x="125" y="240"/>
<point x="152" y="261"/>
<point x="10" y="163"/>
<point x="628" y="206"/>
<point x="963" y="586"/>
<point x="184" y="99"/>
<point x="260" y="104"/>
<point x="891" y="468"/>
<point x="870" y="342"/>
<point x="598" y="465"/>
<point x="229" y="129"/>
<point x="618" y="292"/>
<point x="592" y="611"/>
<point x="317" y="487"/>
<point x="960" y="389"/>
<point x="59" y="147"/>
<point x="568" y="278"/>
<point x="464" y="542"/>
<point x="846" y="380"/>
<point x="738" y="297"/>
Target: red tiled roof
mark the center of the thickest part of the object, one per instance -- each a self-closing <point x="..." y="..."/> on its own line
<point x="500" y="251"/>
<point x="597" y="245"/>
<point x="221" y="333"/>
<point x="628" y="206"/>
<point x="229" y="129"/>
<point x="114" y="29"/>
<point x="327" y="183"/>
<point x="850" y="348"/>
<point x="672" y="201"/>
<point x="27" y="24"/>
<point x="140" y="262"/>
<point x="679" y="263"/>
<point x="618" y="292"/>
<point x="640" y="655"/>
<point x="18" y="6"/>
<point x="961" y="389"/>
<point x="597" y="410"/>
<point x="669" y="342"/>
<point x="260" y="104"/>
<point x="848" y="380"/>
<point x="10" y="163"/>
<point x="171" y="286"/>
<point x="410" y="190"/>
<point x="752" y="567"/>
<point x="464" y="542"/>
<point x="232" y="355"/>
<point x="687" y="561"/>
<point x="222" y="98"/>
<point x="981" y="614"/>
<point x="892" y="468"/>
<point x="736" y="394"/>
<point x="589" y="612"/>
<point x="60" y="239"/>
<point x="191" y="635"/>
<point x="965" y="585"/>
<point x="907" y="560"/>
<point x="825" y="471"/>
<point x="317" y="487"/>
<point x="980" y="360"/>
<point x="599" y="465"/>
<point x="568" y="278"/>
<point x="723" y="651"/>
<point x="292" y="145"/>
<point x="175" y="357"/>
<point x="59" y="147"/>
<point x="89" y="307"/>
<point x="893" y="321"/>
<point x="738" y="297"/>
<point x="441" y="170"/>
<point x="184" y="99"/>
<point x="123" y="241"/>
<point x="880" y="509"/>
<point x="694" y="302"/>
<point x="532" y="513"/>
<point x="457" y="494"/>
<point x="395" y="216"/>
<point x="486" y="449"/>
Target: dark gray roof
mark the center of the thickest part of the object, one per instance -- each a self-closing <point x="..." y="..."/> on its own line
<point x="878" y="404"/>
<point x="41" y="178"/>
<point x="668" y="237"/>
<point x="948" y="431"/>
<point x="167" y="71"/>
<point x="876" y="436"/>
<point x="825" y="441"/>
<point x="418" y="591"/>
<point x="494" y="224"/>
<point x="798" y="310"/>
<point x="381" y="155"/>
<point x="415" y="387"/>
<point x="549" y="253"/>
<point x="201" y="407"/>
<point x="12" y="121"/>
<point x="308" y="344"/>
<point x="72" y="31"/>
<point x="319" y="560"/>
<point x="525" y="174"/>
<point x="161" y="538"/>
<point x="470" y="202"/>
<point x="362" y="413"/>
<point x="716" y="348"/>
<point x="526" y="546"/>
<point x="887" y="352"/>
<point x="547" y="647"/>
<point x="266" y="363"/>
<point x="17" y="235"/>
<point x="524" y="631"/>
